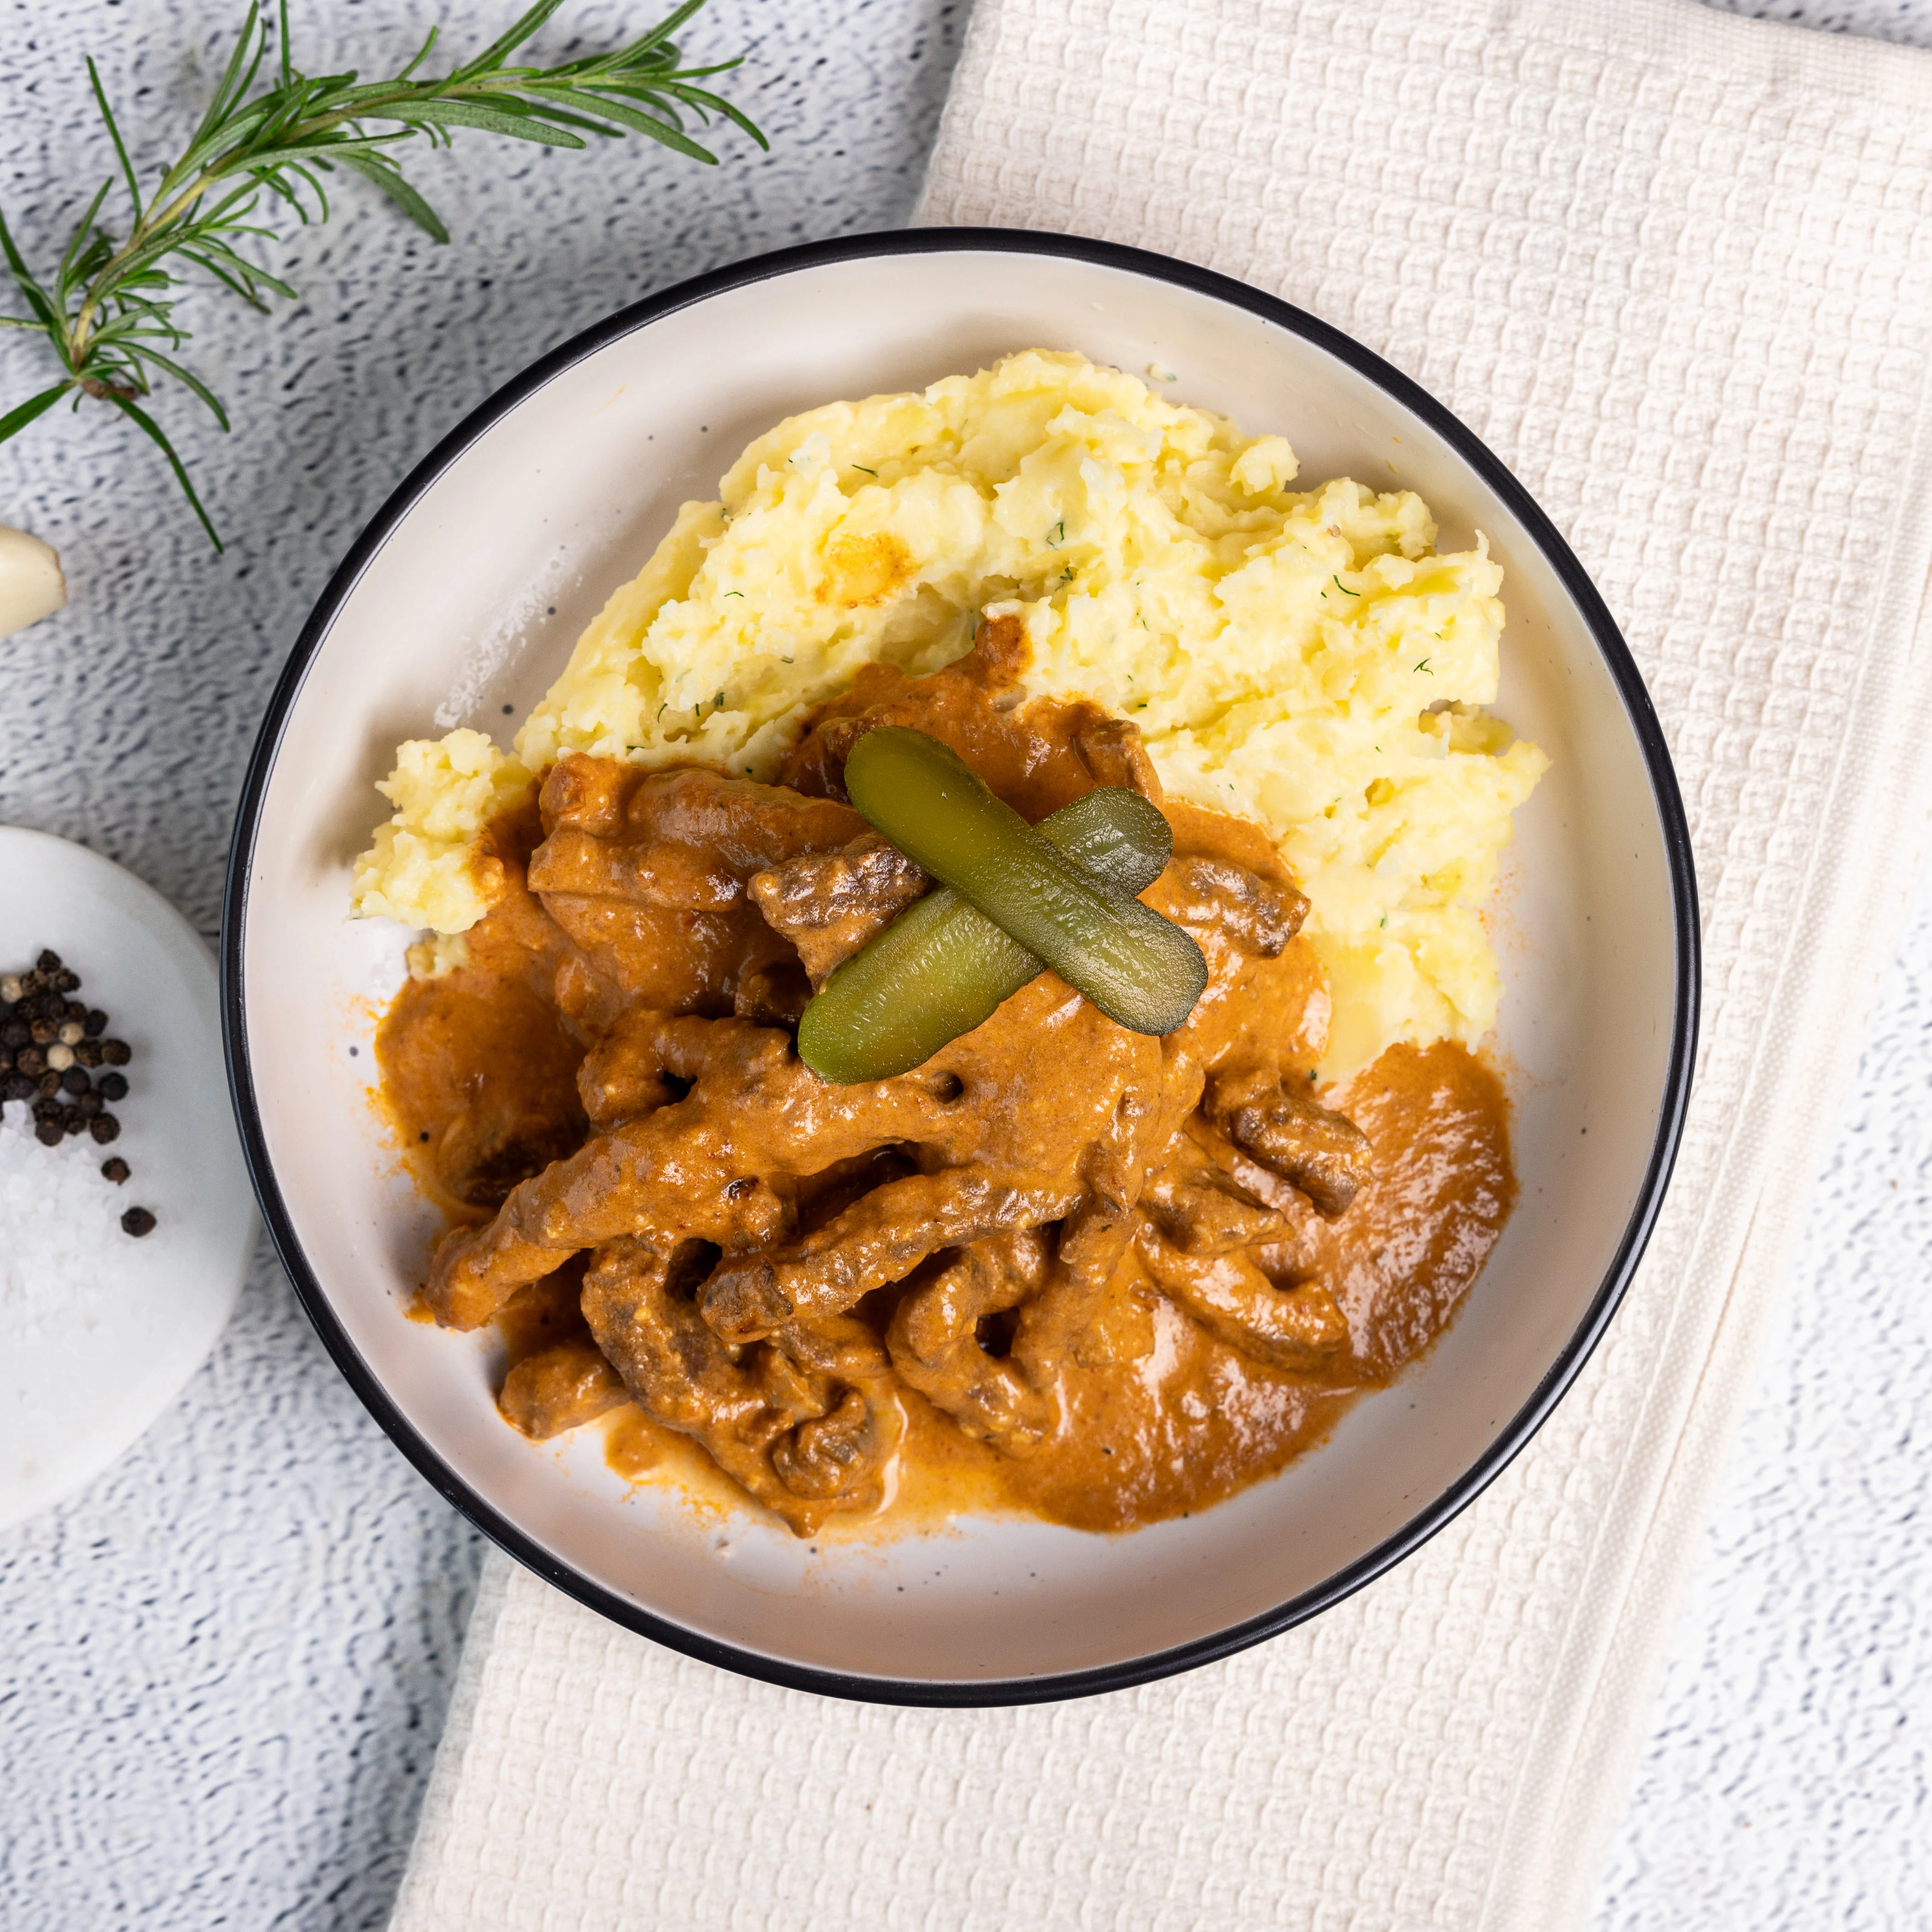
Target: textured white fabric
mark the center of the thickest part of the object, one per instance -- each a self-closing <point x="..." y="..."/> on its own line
<point x="1677" y="269"/>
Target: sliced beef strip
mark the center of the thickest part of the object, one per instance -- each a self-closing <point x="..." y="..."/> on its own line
<point x="1259" y="916"/>
<point x="830" y="904"/>
<point x="560" y="1388"/>
<point x="685" y="837"/>
<point x="1271" y="1117"/>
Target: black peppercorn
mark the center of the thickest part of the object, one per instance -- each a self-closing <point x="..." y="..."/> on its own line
<point x="138" y="1222"/>
<point x="51" y="1049"/>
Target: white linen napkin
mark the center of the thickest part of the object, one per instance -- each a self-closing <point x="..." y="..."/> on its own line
<point x="1676" y="269"/>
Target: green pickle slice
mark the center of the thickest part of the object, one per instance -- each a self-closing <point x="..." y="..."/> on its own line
<point x="1014" y="898"/>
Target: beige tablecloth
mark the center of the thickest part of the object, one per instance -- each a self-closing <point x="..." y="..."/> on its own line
<point x="1676" y="269"/>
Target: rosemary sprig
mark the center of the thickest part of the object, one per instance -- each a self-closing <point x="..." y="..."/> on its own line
<point x="109" y="307"/>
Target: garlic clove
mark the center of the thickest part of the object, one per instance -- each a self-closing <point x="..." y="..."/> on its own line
<point x="31" y="587"/>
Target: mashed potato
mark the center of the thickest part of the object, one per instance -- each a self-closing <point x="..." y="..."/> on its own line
<point x="420" y="870"/>
<point x="1305" y="658"/>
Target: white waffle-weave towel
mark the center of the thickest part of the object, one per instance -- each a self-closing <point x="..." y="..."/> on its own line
<point x="1676" y="269"/>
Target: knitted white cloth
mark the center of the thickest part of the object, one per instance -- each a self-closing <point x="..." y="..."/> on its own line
<point x="1676" y="269"/>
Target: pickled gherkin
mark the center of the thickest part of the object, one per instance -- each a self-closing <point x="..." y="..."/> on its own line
<point x="941" y="967"/>
<point x="1014" y="898"/>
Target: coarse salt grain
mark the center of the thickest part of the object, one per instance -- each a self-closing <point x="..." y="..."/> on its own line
<point x="61" y="1243"/>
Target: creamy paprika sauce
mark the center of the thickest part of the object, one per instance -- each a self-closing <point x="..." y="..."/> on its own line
<point x="1062" y="1269"/>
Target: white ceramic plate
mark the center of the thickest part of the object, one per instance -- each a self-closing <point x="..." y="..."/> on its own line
<point x="460" y="604"/>
<point x="80" y="1379"/>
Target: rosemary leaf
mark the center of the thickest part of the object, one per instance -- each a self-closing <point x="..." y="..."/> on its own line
<point x="109" y="311"/>
<point x="150" y="428"/>
<point x="387" y="176"/>
<point x="34" y="406"/>
<point x="518" y="123"/>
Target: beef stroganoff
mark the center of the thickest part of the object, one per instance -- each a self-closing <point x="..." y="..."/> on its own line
<point x="1102" y="1269"/>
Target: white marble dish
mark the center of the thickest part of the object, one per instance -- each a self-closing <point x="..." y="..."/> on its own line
<point x="461" y="600"/>
<point x="87" y="1363"/>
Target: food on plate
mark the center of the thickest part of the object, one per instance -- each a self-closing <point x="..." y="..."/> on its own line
<point x="942" y="966"/>
<point x="1139" y="968"/>
<point x="969" y="985"/>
